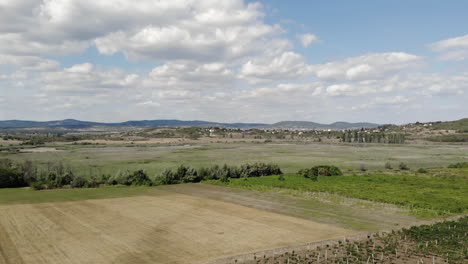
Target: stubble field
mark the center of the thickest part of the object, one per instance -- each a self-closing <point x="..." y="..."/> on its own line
<point x="165" y="228"/>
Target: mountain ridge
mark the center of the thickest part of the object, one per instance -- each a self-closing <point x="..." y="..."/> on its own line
<point x="78" y="124"/>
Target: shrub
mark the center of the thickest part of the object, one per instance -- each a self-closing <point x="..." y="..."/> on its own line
<point x="179" y="174"/>
<point x="224" y="177"/>
<point x="191" y="175"/>
<point x="281" y="177"/>
<point x="259" y="169"/>
<point x="309" y="173"/>
<point x="326" y="170"/>
<point x="403" y="166"/>
<point x="93" y="182"/>
<point x="122" y="178"/>
<point x="79" y="182"/>
<point x="10" y="178"/>
<point x="139" y="177"/>
<point x="388" y="166"/>
<point x="166" y="177"/>
<point x="37" y="186"/>
<point x="105" y="178"/>
<point x="422" y="170"/>
<point x="65" y="179"/>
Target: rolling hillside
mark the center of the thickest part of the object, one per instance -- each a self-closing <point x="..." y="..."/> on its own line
<point x="77" y="124"/>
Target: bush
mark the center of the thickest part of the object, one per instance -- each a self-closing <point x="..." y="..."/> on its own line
<point x="322" y="170"/>
<point x="37" y="186"/>
<point x="93" y="182"/>
<point x="281" y="177"/>
<point x="224" y="177"/>
<point x="388" y="166"/>
<point x="422" y="170"/>
<point x="459" y="165"/>
<point x="167" y="177"/>
<point x="259" y="169"/>
<point x="10" y="178"/>
<point x="403" y="166"/>
<point x="79" y="182"/>
<point x="191" y="175"/>
<point x="139" y="177"/>
<point x="309" y="173"/>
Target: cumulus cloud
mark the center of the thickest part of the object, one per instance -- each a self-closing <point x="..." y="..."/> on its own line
<point x="189" y="75"/>
<point x="86" y="78"/>
<point x="288" y="65"/>
<point x="143" y="30"/>
<point x="452" y="49"/>
<point x="308" y="39"/>
<point x="370" y="66"/>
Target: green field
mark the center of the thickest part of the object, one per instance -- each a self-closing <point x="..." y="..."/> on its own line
<point x="96" y="160"/>
<point x="29" y="196"/>
<point x="424" y="195"/>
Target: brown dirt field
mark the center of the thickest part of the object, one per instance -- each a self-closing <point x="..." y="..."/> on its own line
<point x="172" y="228"/>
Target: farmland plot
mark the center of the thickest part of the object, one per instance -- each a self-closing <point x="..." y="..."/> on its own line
<point x="170" y="228"/>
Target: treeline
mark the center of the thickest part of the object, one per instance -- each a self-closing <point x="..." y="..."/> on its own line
<point x="449" y="138"/>
<point x="459" y="165"/>
<point x="59" y="176"/>
<point x="184" y="174"/>
<point x="365" y="137"/>
<point x="35" y="140"/>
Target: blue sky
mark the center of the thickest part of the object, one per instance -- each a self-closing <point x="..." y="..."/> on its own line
<point x="234" y="60"/>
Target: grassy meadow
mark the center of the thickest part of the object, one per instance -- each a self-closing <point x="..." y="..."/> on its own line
<point x="106" y="159"/>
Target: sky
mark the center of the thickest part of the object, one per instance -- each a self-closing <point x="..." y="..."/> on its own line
<point x="234" y="60"/>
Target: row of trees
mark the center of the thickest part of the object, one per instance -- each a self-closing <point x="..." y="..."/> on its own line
<point x="185" y="174"/>
<point x="364" y="137"/>
<point x="57" y="175"/>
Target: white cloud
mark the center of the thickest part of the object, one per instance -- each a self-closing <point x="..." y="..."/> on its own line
<point x="452" y="49"/>
<point x="370" y="66"/>
<point x="32" y="63"/>
<point x="189" y="75"/>
<point x="458" y="42"/>
<point x="392" y="100"/>
<point x="288" y="65"/>
<point x="144" y="30"/>
<point x="85" y="78"/>
<point x="308" y="39"/>
<point x="80" y="68"/>
<point x="175" y="42"/>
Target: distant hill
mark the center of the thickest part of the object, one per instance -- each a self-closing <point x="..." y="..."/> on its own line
<point x="461" y="125"/>
<point x="313" y="125"/>
<point x="77" y="124"/>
